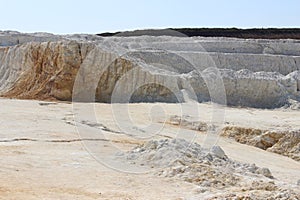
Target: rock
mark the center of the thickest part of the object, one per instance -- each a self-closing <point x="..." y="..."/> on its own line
<point x="206" y="183"/>
<point x="292" y="104"/>
<point x="252" y="168"/>
<point x="200" y="189"/>
<point x="209" y="157"/>
<point x="265" y="172"/>
<point x="298" y="182"/>
<point x="186" y="122"/>
<point x="218" y="152"/>
<point x="266" y="140"/>
<point x="288" y="145"/>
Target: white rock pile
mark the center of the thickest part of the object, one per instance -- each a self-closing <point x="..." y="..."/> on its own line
<point x="209" y="169"/>
<point x="189" y="161"/>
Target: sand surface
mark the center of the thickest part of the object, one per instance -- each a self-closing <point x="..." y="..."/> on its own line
<point x="54" y="150"/>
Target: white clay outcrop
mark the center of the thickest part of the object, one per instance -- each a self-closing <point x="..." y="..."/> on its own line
<point x="255" y="73"/>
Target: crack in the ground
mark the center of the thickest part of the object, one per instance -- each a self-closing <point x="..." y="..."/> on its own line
<point x="99" y="126"/>
<point x="91" y="125"/>
<point x="70" y="140"/>
<point x="54" y="141"/>
<point x="19" y="139"/>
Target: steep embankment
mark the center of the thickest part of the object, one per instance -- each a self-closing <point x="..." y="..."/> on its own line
<point x="41" y="70"/>
<point x="255" y="73"/>
<point x="285" y="142"/>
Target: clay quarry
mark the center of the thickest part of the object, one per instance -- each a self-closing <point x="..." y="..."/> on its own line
<point x="139" y="116"/>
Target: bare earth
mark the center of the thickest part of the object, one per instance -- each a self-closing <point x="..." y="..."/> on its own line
<point x="44" y="157"/>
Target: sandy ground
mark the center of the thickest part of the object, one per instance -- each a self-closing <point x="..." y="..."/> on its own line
<point x="45" y="154"/>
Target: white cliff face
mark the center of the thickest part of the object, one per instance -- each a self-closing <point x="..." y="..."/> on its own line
<point x="255" y="73"/>
<point x="40" y="70"/>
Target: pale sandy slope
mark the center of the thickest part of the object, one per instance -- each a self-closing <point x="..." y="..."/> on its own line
<point x="42" y="156"/>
